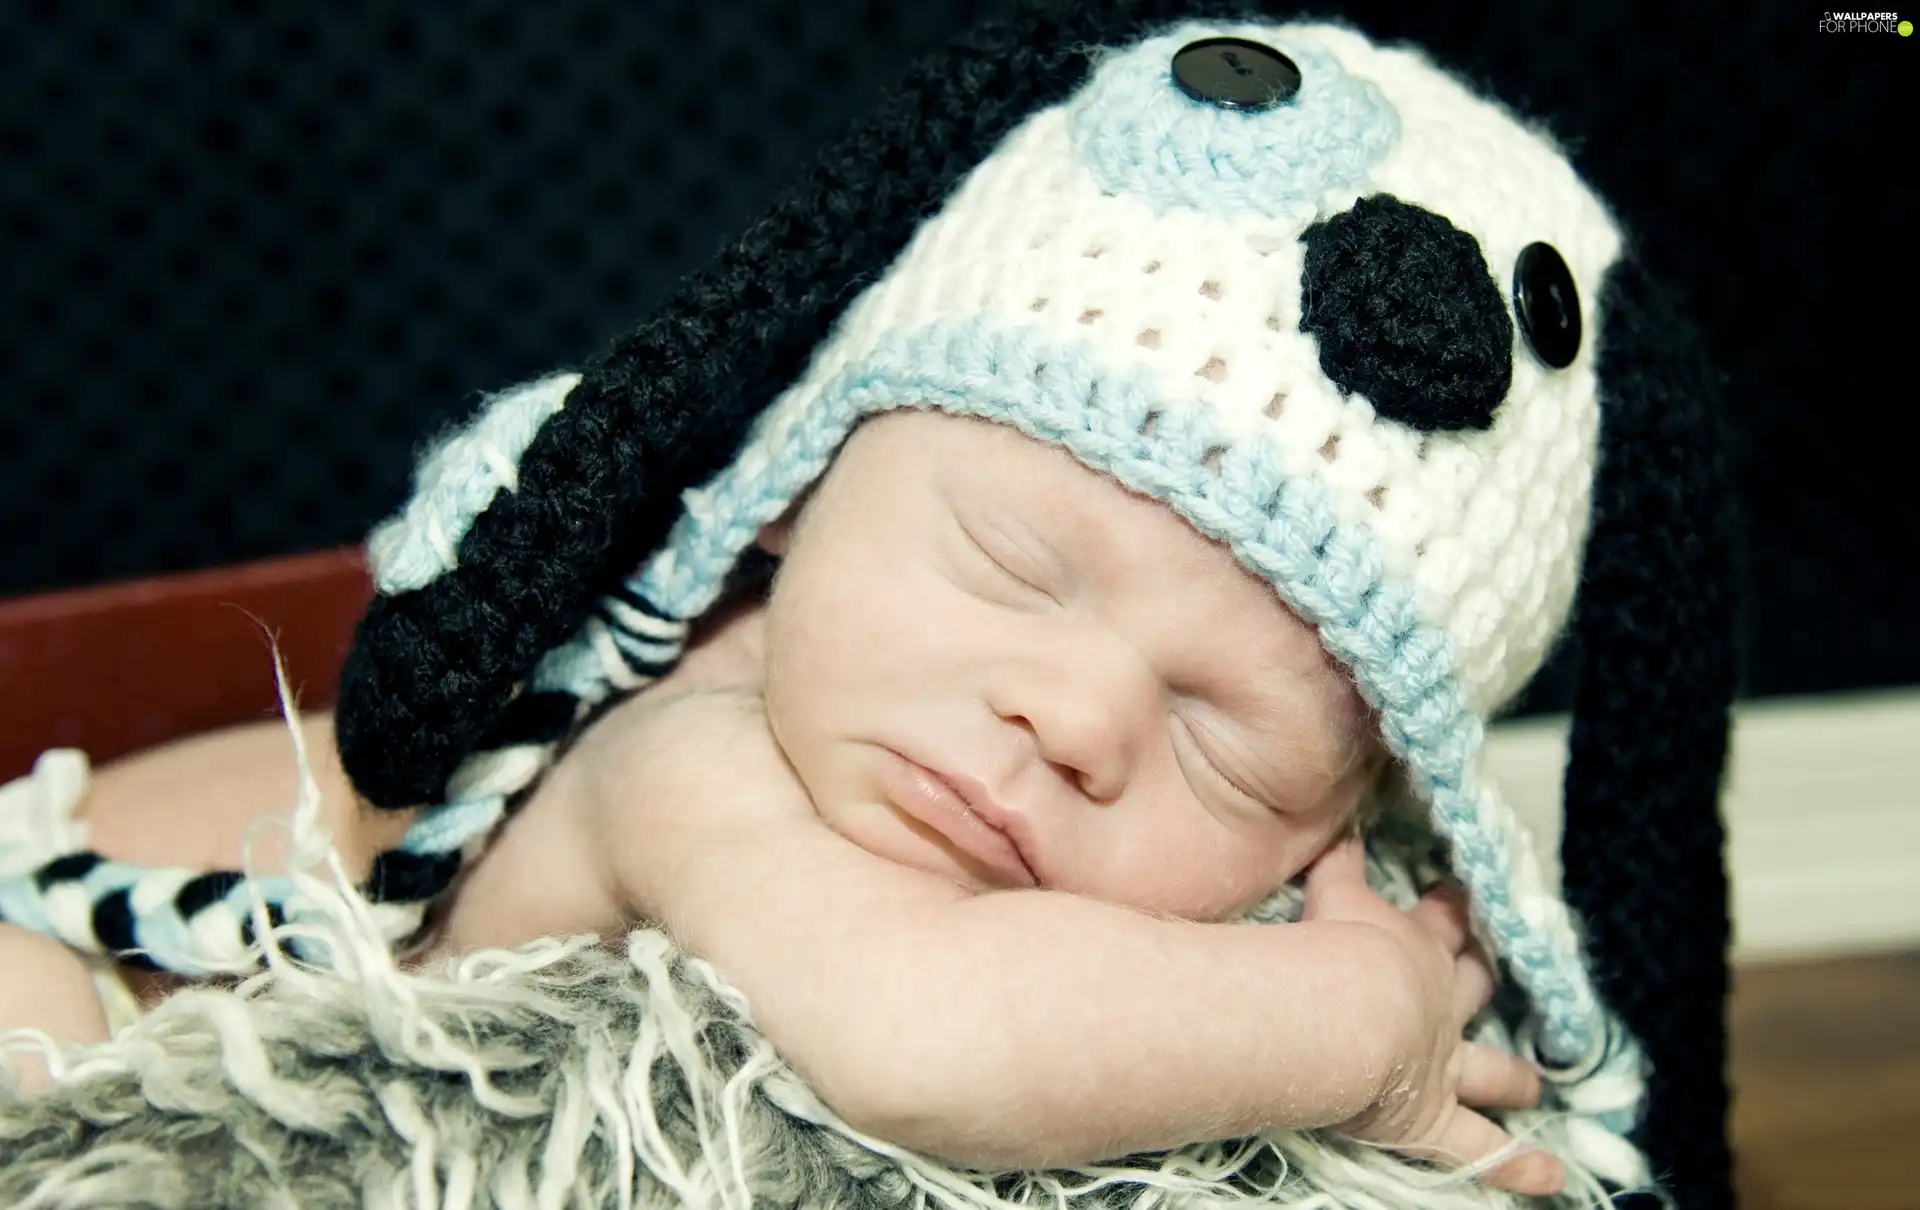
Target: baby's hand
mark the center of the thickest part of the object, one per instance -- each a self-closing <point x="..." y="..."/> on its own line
<point x="1448" y="980"/>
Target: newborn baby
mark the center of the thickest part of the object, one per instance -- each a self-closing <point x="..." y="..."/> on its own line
<point x="1287" y="355"/>
<point x="957" y="808"/>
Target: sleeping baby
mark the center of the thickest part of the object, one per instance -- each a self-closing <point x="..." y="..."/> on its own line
<point x="955" y="806"/>
<point x="1209" y="466"/>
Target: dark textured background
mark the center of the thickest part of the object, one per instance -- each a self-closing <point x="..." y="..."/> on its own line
<point x="256" y="253"/>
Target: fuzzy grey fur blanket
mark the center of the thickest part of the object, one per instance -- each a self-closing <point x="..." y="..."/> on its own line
<point x="565" y="1074"/>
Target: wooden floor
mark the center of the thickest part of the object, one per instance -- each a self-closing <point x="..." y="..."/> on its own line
<point x="1826" y="1074"/>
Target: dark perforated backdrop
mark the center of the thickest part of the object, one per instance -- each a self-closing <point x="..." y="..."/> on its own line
<point x="256" y="253"/>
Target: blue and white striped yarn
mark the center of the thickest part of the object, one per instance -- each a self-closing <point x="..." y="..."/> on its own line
<point x="457" y="480"/>
<point x="623" y="646"/>
<point x="197" y="922"/>
<point x="61" y="898"/>
<point x="189" y="920"/>
<point x="1285" y="529"/>
<point x="627" y="643"/>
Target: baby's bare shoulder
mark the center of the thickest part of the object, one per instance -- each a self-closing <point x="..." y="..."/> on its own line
<point x="597" y="846"/>
<point x="704" y="815"/>
<point x="689" y="757"/>
<point x="682" y="812"/>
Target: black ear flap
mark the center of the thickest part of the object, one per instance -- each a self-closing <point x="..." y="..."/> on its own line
<point x="1659" y="631"/>
<point x="431" y="671"/>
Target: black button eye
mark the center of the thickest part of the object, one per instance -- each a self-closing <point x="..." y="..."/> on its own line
<point x="1235" y="73"/>
<point x="1547" y="304"/>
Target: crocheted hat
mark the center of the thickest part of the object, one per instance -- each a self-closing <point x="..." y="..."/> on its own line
<point x="1350" y="319"/>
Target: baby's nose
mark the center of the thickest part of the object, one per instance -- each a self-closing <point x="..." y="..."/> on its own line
<point x="1090" y="716"/>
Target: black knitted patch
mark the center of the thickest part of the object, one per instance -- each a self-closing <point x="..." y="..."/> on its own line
<point x="1658" y="625"/>
<point x="402" y="877"/>
<point x="204" y="891"/>
<point x="113" y="926"/>
<point x="1407" y="315"/>
<point x="249" y="935"/>
<point x="534" y="718"/>
<point x="71" y="868"/>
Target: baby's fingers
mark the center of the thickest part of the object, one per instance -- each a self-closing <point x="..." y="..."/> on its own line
<point x="1336" y="883"/>
<point x="1472" y="986"/>
<point x="1442" y="913"/>
<point x="1469" y="1138"/>
<point x="1490" y="1078"/>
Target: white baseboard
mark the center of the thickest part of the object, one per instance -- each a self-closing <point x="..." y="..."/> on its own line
<point x="1822" y="806"/>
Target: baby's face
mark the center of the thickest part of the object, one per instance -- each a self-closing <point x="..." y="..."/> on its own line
<point x="1135" y="716"/>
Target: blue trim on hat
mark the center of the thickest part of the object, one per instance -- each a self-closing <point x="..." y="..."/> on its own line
<point x="1283" y="528"/>
<point x="448" y="826"/>
<point x="1139" y="133"/>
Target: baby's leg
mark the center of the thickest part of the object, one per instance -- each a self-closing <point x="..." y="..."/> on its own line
<point x="199" y="802"/>
<point x="45" y="986"/>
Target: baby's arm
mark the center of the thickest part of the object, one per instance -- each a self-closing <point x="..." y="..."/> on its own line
<point x="1016" y="1029"/>
<point x="1031" y="1029"/>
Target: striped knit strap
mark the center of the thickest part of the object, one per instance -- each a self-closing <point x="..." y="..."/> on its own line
<point x="190" y="922"/>
<point x="626" y="644"/>
<point x="203" y="922"/>
<point x="206" y="922"/>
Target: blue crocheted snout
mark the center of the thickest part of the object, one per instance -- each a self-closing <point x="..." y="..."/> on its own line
<point x="1139" y="133"/>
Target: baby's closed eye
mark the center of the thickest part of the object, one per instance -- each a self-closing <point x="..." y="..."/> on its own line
<point x="1197" y="737"/>
<point x="1008" y="563"/>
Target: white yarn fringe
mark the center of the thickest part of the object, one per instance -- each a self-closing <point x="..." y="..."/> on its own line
<point x="37" y="817"/>
<point x="566" y="1074"/>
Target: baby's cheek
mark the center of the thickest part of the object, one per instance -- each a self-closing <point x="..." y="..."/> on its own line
<point x="1257" y="859"/>
<point x="788" y="678"/>
<point x="1190" y="864"/>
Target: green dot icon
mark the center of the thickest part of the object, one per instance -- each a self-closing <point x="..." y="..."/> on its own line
<point x="1906" y="29"/>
